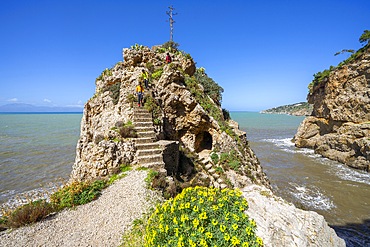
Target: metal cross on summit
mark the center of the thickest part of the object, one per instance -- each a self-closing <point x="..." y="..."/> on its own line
<point x="171" y="21"/>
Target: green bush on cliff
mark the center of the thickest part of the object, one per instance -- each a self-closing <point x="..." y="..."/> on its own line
<point x="211" y="88"/>
<point x="320" y="77"/>
<point x="171" y="46"/>
<point x="157" y="74"/>
<point x="114" y="91"/>
<point x="202" y="216"/>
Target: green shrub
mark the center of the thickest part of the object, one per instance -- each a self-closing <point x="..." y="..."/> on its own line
<point x="150" y="66"/>
<point x="226" y="114"/>
<point x="126" y="130"/>
<point x="150" y="177"/>
<point x="152" y="107"/>
<point x="131" y="98"/>
<point x="114" y="91"/>
<point x="214" y="158"/>
<point x="157" y="74"/>
<point x="211" y="88"/>
<point x="202" y="216"/>
<point x="28" y="214"/>
<point x="77" y="193"/>
<point x="106" y="72"/>
<point x="171" y="46"/>
<point x="137" y="47"/>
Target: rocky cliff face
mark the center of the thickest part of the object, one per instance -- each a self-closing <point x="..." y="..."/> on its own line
<point x="339" y="127"/>
<point x="182" y="112"/>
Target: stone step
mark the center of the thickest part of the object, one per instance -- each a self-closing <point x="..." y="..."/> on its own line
<point x="159" y="166"/>
<point x="143" y="119"/>
<point x="141" y="109"/>
<point x="144" y="146"/>
<point x="147" y="134"/>
<point x="142" y="140"/>
<point x="143" y="124"/>
<point x="144" y="129"/>
<point x="142" y="115"/>
<point x="148" y="152"/>
<point x="150" y="159"/>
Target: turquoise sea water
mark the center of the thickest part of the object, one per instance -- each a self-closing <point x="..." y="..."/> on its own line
<point x="37" y="150"/>
<point x="339" y="193"/>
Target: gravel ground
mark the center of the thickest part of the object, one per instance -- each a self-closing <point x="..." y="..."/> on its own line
<point x="99" y="223"/>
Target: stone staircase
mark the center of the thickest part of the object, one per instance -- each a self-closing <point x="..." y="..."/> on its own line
<point x="216" y="180"/>
<point x="149" y="153"/>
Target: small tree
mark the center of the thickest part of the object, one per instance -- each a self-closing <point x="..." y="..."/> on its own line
<point x="365" y="37"/>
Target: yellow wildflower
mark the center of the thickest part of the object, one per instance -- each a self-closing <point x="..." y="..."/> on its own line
<point x="203" y="216"/>
<point x="222" y="228"/>
<point x="195" y="223"/>
<point x="192" y="243"/>
<point x="209" y="235"/>
<point x="259" y="241"/>
<point x="235" y="241"/>
<point x="227" y="237"/>
<point x="235" y="226"/>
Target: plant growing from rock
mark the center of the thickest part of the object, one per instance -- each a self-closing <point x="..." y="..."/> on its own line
<point x="126" y="130"/>
<point x="202" y="216"/>
<point x="114" y="91"/>
<point x="157" y="74"/>
<point x="171" y="46"/>
<point x="152" y="106"/>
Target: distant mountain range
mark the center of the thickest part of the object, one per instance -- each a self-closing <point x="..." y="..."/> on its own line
<point x="20" y="107"/>
<point x="298" y="109"/>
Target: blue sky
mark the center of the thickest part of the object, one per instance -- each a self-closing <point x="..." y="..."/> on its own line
<point x="263" y="53"/>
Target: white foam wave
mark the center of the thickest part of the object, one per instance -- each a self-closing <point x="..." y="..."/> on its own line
<point x="346" y="173"/>
<point x="285" y="142"/>
<point x="311" y="197"/>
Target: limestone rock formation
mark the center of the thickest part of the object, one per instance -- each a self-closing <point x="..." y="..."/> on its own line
<point x="282" y="224"/>
<point x="339" y="127"/>
<point x="180" y="110"/>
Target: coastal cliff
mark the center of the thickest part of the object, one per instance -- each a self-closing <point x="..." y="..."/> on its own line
<point x="184" y="135"/>
<point x="339" y="127"/>
<point x="182" y="113"/>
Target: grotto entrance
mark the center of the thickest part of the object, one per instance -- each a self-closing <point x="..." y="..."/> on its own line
<point x="203" y="141"/>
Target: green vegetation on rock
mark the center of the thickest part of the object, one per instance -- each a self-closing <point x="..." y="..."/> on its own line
<point x="202" y="216"/>
<point x="321" y="77"/>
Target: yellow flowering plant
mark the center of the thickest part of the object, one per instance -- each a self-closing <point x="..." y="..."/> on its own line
<point x="202" y="216"/>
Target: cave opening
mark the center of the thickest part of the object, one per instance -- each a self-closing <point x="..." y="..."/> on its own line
<point x="203" y="141"/>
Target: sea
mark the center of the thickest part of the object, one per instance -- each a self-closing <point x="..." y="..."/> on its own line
<point x="37" y="152"/>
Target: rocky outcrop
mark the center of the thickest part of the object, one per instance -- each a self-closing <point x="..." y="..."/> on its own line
<point x="282" y="224"/>
<point x="182" y="112"/>
<point x="339" y="127"/>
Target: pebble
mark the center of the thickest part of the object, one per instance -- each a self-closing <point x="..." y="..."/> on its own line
<point x="99" y="223"/>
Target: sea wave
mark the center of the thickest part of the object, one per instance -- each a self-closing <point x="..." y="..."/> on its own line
<point x="311" y="197"/>
<point x="346" y="173"/>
